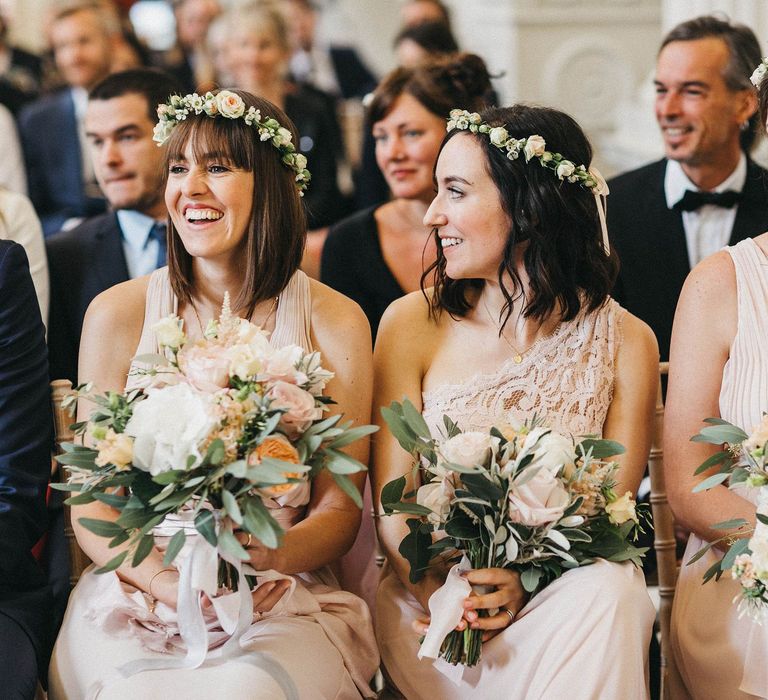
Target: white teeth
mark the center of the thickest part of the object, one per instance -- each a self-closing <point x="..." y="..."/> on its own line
<point x="448" y="242"/>
<point x="675" y="131"/>
<point x="203" y="214"/>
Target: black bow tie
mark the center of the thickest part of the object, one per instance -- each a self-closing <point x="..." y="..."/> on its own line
<point x="691" y="200"/>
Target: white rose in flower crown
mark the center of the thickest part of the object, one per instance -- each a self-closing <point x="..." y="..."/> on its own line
<point x="540" y="500"/>
<point x="622" y="509"/>
<point x="299" y="406"/>
<point x="565" y="169"/>
<point x="230" y="104"/>
<point x="162" y="131"/>
<point x="168" y="427"/>
<point x="282" y="137"/>
<point x="437" y="497"/>
<point x="115" y="448"/>
<point x="534" y="147"/>
<point x="759" y="73"/>
<point x="555" y="452"/>
<point x="498" y="135"/>
<point x="468" y="449"/>
<point x="168" y="332"/>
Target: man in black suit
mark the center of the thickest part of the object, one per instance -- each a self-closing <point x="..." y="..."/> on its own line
<point x="667" y="216"/>
<point x="126" y="242"/>
<point x="60" y="181"/>
<point x="26" y="604"/>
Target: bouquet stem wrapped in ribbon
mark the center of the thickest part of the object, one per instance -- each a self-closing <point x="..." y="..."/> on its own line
<point x="221" y="431"/>
<point x="519" y="496"/>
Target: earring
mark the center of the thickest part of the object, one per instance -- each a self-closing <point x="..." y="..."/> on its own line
<point x="744" y="125"/>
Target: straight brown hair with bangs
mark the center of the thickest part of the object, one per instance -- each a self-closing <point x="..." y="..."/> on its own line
<point x="274" y="241"/>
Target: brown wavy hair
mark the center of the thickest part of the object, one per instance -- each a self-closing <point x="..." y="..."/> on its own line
<point x="274" y="241"/>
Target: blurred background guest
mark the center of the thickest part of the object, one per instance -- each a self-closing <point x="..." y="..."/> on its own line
<point x="257" y="51"/>
<point x="13" y="175"/>
<point x="333" y="68"/>
<point x="21" y="72"/>
<point x="189" y="60"/>
<point x="417" y="43"/>
<point x="415" y="12"/>
<point x="60" y="178"/>
<point x="379" y="254"/>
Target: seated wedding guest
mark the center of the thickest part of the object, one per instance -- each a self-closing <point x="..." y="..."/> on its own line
<point x="21" y="72"/>
<point x="259" y="51"/>
<point x="380" y="253"/>
<point x="128" y="241"/>
<point x="19" y="223"/>
<point x="189" y="60"/>
<point x="519" y="323"/>
<point x="718" y="368"/>
<point x="706" y="193"/>
<point x="337" y="70"/>
<point x="61" y="182"/>
<point x="25" y="464"/>
<point x="249" y="244"/>
<point x="420" y="42"/>
<point x="13" y="175"/>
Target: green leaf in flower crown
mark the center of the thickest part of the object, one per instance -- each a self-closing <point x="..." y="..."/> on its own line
<point x="229" y="544"/>
<point x="482" y="486"/>
<point x="530" y="578"/>
<point x="719" y="434"/>
<point x="230" y="505"/>
<point x="102" y="528"/>
<point x="205" y="524"/>
<point x="216" y="452"/>
<point x="415" y="548"/>
<point x="260" y="523"/>
<point x="143" y="549"/>
<point x="601" y="449"/>
<point x="346" y="485"/>
<point x="352" y="435"/>
<point x="710" y="482"/>
<point x="112" y="564"/>
<point x="174" y="547"/>
<point x="392" y="493"/>
<point x="714" y="460"/>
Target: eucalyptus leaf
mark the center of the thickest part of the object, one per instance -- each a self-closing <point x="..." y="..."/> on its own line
<point x="145" y="546"/>
<point x="230" y="505"/>
<point x="392" y="493"/>
<point x="415" y="547"/>
<point x="111" y="499"/>
<point x="205" y="525"/>
<point x="399" y="428"/>
<point x="260" y="523"/>
<point x="172" y="476"/>
<point x="174" y="547"/>
<point x="348" y="487"/>
<point x="732" y="524"/>
<point x="216" y="452"/>
<point x="415" y="420"/>
<point x="102" y="528"/>
<point x="228" y="543"/>
<point x="81" y="499"/>
<point x="341" y="463"/>
<point x="720" y="434"/>
<point x="530" y="578"/>
<point x="113" y="563"/>
<point x="352" y="435"/>
<point x="714" y="460"/>
<point x="601" y="449"/>
<point x="710" y="482"/>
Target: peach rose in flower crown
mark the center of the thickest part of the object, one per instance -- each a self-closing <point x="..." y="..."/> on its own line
<point x="540" y="500"/>
<point x="206" y="366"/>
<point x="299" y="407"/>
<point x="292" y="494"/>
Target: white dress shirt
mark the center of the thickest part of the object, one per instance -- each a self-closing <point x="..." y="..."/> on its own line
<point x="140" y="250"/>
<point x="709" y="227"/>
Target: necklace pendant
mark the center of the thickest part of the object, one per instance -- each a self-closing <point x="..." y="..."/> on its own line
<point x="517" y="359"/>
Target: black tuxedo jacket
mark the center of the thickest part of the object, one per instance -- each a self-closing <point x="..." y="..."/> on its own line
<point x="25" y="452"/>
<point x="82" y="263"/>
<point x="650" y="241"/>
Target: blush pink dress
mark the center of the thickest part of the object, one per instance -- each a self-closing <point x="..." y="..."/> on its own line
<point x="586" y="635"/>
<point x="719" y="655"/>
<point x="321" y="636"/>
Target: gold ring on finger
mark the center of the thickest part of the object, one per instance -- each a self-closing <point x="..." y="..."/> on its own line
<point x="511" y="615"/>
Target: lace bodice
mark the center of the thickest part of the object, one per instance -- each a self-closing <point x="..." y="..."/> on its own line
<point x="566" y="379"/>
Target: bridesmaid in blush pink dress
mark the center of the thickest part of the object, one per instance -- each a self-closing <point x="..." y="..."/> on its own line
<point x="519" y="322"/>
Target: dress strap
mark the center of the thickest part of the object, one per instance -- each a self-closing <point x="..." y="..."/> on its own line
<point x="160" y="302"/>
<point x="294" y="313"/>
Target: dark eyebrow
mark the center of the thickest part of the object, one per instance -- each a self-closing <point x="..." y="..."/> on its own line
<point x="455" y="178"/>
<point x="121" y="130"/>
<point x="686" y="84"/>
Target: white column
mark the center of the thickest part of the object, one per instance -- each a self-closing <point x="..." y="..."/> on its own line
<point x="753" y="13"/>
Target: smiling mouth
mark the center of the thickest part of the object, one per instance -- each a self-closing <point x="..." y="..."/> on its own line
<point x="451" y="242"/>
<point x="675" y="131"/>
<point x="203" y="215"/>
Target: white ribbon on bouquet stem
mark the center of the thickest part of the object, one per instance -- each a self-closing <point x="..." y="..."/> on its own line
<point x="198" y="575"/>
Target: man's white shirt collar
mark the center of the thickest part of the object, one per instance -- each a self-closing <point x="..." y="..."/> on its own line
<point x="676" y="182"/>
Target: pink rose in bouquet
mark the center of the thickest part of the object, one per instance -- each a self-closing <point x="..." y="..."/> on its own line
<point x="299" y="406"/>
<point x="540" y="500"/>
<point x="205" y="366"/>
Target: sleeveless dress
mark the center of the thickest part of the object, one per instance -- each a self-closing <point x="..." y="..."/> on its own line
<point x="719" y="655"/>
<point x="586" y="635"/>
<point x="320" y="635"/>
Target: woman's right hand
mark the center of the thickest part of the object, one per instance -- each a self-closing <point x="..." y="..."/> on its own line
<point x="268" y="594"/>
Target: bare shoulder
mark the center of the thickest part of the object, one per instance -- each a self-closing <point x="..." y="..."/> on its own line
<point x="410" y="312"/>
<point x="638" y="337"/>
<point x="712" y="281"/>
<point x="336" y="318"/>
<point x="119" y="307"/>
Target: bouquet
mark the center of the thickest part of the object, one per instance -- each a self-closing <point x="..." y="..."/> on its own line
<point x="520" y="497"/>
<point x="742" y="463"/>
<point x="222" y="430"/>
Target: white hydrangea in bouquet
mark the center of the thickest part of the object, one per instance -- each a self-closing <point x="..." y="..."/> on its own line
<point x="222" y="429"/>
<point x="520" y="496"/>
<point x="742" y="463"/>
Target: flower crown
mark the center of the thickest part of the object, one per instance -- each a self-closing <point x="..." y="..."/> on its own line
<point x="231" y="106"/>
<point x="759" y="73"/>
<point x="532" y="147"/>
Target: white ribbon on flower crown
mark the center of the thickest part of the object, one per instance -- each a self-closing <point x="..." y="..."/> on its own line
<point x="601" y="191"/>
<point x="199" y="574"/>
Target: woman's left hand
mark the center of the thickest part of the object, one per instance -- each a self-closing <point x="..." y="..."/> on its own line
<point x="509" y="597"/>
<point x="262" y="557"/>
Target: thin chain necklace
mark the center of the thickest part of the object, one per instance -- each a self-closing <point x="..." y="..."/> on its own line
<point x="272" y="308"/>
<point x="517" y="358"/>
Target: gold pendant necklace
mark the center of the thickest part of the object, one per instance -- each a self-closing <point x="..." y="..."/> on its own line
<point x="517" y="358"/>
